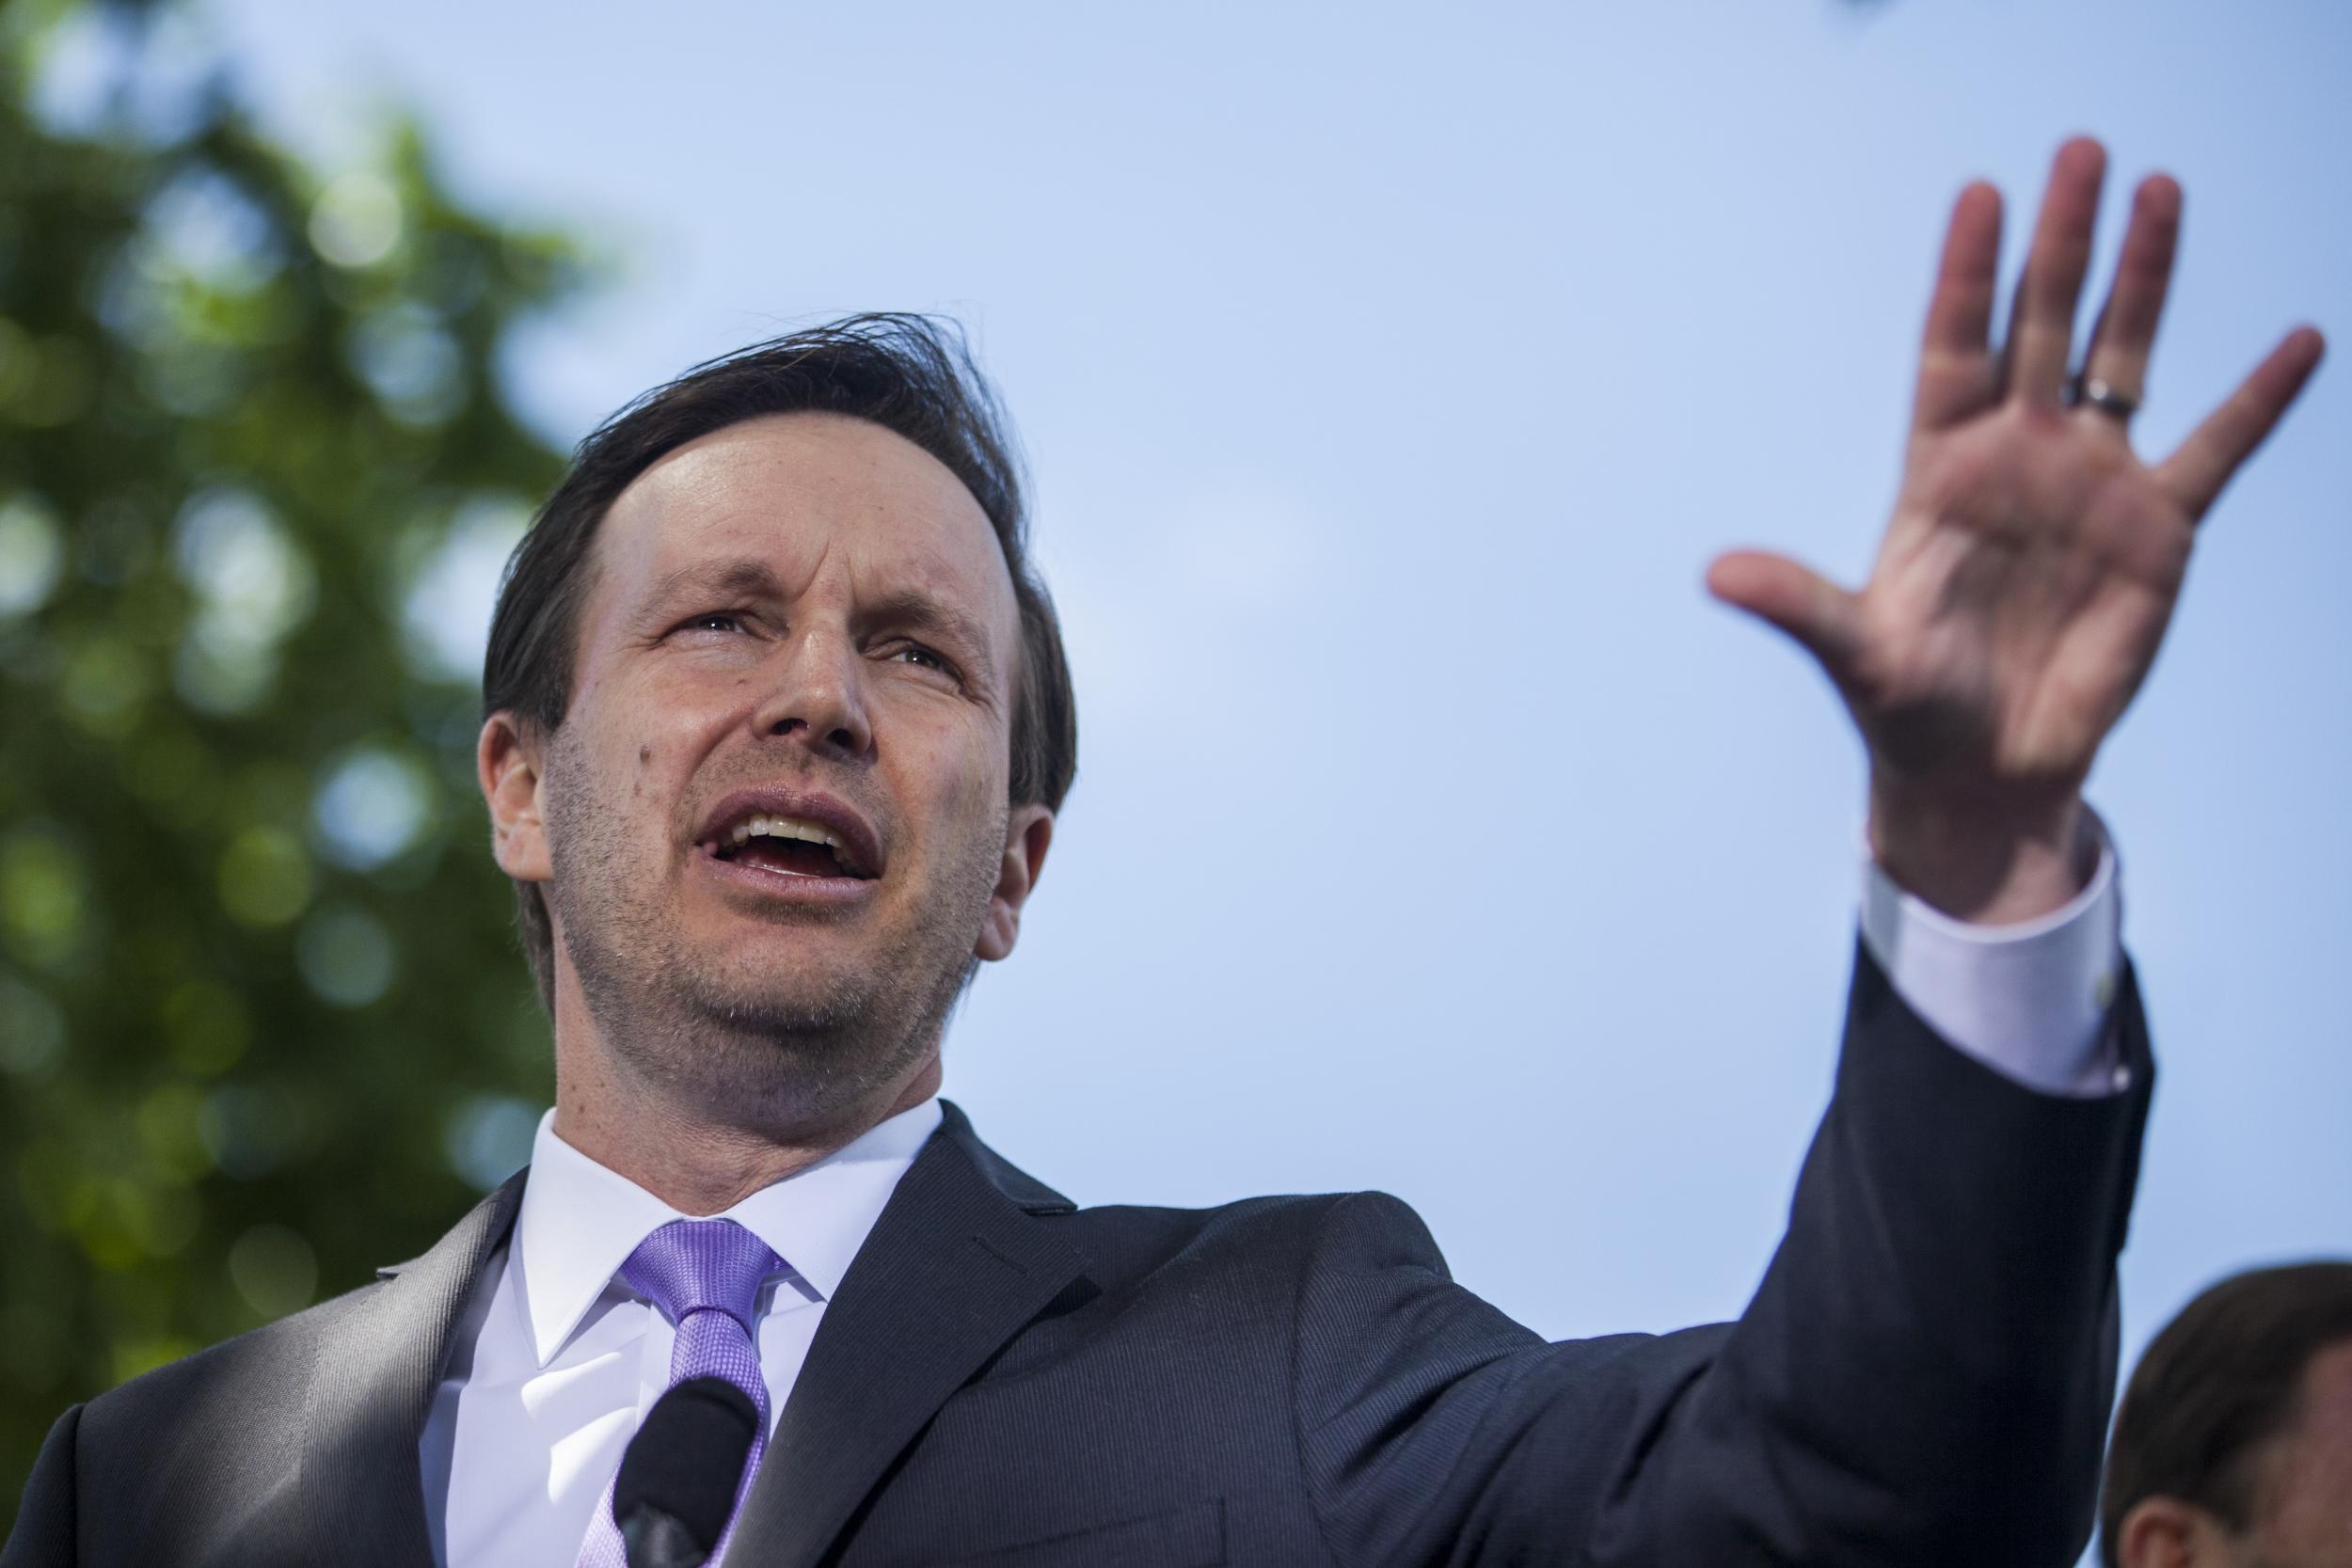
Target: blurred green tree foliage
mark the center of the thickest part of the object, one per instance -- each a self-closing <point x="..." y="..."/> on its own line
<point x="263" y="1022"/>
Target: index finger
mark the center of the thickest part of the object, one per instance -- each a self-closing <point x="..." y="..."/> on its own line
<point x="1955" y="373"/>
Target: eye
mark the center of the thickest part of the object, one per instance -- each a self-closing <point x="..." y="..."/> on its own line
<point x="716" y="620"/>
<point x="924" y="658"/>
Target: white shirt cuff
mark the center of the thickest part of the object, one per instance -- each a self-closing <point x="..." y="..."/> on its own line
<point x="2030" y="1001"/>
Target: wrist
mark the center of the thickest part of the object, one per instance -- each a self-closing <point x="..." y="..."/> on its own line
<point x="1990" y="863"/>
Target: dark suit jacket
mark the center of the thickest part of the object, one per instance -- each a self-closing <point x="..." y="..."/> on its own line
<point x="1923" y="1377"/>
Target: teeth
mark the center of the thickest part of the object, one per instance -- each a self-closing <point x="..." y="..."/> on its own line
<point x="785" y="827"/>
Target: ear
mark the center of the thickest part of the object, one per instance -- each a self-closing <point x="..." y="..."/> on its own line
<point x="2166" y="1532"/>
<point x="508" y="761"/>
<point x="1028" y="833"/>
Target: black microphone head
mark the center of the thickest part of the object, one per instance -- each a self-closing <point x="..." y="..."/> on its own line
<point x="688" y="1458"/>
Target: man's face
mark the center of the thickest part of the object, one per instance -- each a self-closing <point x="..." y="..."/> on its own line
<point x="775" y="810"/>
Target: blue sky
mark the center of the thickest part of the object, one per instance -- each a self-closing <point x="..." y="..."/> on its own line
<point x="1389" y="374"/>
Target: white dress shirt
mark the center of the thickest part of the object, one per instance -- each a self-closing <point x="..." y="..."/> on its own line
<point x="566" y="1358"/>
<point x="557" y="1362"/>
<point x="2030" y="999"/>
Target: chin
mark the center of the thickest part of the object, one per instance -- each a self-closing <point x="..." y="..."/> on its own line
<point x="758" y="1000"/>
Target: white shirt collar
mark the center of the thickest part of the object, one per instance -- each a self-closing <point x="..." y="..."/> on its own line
<point x="579" y="1220"/>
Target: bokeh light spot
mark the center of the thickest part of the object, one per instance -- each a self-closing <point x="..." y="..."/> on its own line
<point x="413" y="367"/>
<point x="32" y="1030"/>
<point x="347" y="955"/>
<point x="357" y="220"/>
<point x="32" y="552"/>
<point x="45" y="897"/>
<point x="446" y="613"/>
<point x="264" y="878"/>
<point x="253" y="585"/>
<point x="374" y="805"/>
<point x="171" y="1135"/>
<point x="489" y="1138"/>
<point x="104" y="686"/>
<point x="204" y="225"/>
<point x="273" y="1269"/>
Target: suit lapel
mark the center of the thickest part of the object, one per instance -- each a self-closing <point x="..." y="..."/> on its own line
<point x="958" y="1262"/>
<point x="362" y="1486"/>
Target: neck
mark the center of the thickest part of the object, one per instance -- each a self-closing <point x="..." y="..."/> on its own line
<point x="703" y="1147"/>
<point x="696" y="1163"/>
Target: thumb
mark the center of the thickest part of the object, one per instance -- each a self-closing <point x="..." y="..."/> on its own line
<point x="1815" y="611"/>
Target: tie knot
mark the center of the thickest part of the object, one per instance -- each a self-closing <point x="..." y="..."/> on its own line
<point x="697" y="1265"/>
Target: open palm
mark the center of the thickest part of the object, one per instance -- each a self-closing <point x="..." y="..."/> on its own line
<point x="2033" y="561"/>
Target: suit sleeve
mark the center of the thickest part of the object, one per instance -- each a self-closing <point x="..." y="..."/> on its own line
<point x="43" y="1536"/>
<point x="1922" y="1377"/>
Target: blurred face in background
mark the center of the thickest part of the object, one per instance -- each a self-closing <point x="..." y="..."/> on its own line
<point x="775" y="813"/>
<point x="2302" y="1491"/>
<point x="2307" y="1518"/>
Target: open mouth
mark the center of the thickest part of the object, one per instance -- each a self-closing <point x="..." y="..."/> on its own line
<point x="787" y="845"/>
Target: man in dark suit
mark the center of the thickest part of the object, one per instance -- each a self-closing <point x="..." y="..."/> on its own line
<point x="777" y="721"/>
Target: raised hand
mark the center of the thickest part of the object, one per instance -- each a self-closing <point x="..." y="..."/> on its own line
<point x="2032" y="561"/>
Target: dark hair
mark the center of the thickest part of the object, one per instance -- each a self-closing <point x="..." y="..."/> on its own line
<point x="2220" y="1381"/>
<point x="910" y="374"/>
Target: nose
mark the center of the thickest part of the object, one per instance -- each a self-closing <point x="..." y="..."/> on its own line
<point x="819" y="696"/>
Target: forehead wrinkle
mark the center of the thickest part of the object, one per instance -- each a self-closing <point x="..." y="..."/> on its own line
<point x="743" y="574"/>
<point x="729" y="492"/>
<point x="916" y="608"/>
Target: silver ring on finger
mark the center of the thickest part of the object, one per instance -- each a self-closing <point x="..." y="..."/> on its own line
<point x="2089" y="391"/>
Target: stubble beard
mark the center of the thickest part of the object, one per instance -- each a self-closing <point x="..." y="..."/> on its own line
<point x="773" y="1051"/>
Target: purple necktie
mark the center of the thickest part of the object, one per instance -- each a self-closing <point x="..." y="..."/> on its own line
<point x="704" y="1275"/>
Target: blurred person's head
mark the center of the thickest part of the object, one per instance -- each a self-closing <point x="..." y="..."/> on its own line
<point x="777" y="721"/>
<point x="2233" y="1447"/>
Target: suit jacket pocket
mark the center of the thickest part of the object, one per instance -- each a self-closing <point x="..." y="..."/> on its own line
<point x="1192" y="1536"/>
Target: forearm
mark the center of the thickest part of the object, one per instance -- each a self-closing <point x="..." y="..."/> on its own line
<point x="1989" y="862"/>
<point x="1924" y="1374"/>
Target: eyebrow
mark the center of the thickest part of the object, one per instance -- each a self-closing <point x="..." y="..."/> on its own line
<point x="740" y="576"/>
<point x="909" y="609"/>
<point x="918" y="612"/>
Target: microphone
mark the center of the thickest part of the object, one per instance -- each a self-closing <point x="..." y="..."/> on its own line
<point x="678" y="1475"/>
